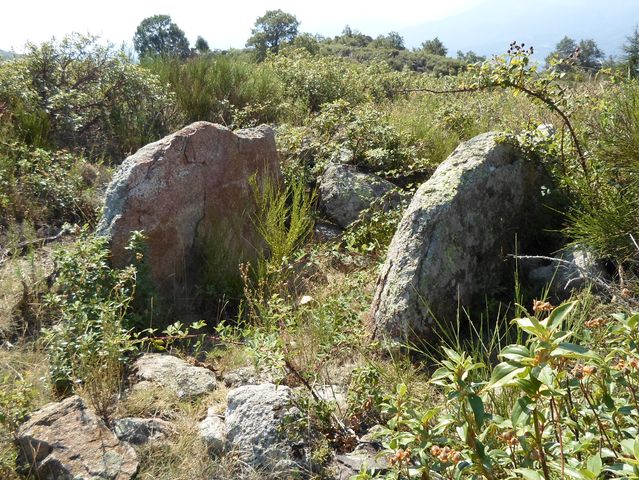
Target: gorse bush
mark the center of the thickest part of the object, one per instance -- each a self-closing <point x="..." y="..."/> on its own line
<point x="77" y="93"/>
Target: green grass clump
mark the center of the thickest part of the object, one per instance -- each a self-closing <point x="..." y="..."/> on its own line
<point x="220" y="88"/>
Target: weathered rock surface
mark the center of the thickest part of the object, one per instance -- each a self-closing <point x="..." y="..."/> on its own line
<point x="345" y="192"/>
<point x="174" y="373"/>
<point x="138" y="431"/>
<point x="254" y="415"/>
<point x="213" y="431"/>
<point x="190" y="194"/>
<point x="452" y="241"/>
<point x="66" y="440"/>
<point x="574" y="269"/>
<point x="247" y="376"/>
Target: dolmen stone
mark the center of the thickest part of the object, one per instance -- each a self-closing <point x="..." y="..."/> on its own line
<point x="191" y="195"/>
<point x="345" y="193"/>
<point x="452" y="242"/>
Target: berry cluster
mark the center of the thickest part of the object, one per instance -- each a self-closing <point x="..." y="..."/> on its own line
<point x="519" y="49"/>
<point x="446" y="454"/>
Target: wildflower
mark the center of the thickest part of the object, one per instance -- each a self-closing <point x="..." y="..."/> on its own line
<point x="589" y="370"/>
<point x="457" y="457"/>
<point x="541" y="306"/>
<point x="435" y="450"/>
<point x="594" y="323"/>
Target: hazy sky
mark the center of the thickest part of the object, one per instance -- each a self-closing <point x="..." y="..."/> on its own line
<point x="222" y="23"/>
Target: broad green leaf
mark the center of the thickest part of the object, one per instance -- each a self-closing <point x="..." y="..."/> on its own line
<point x="545" y="375"/>
<point x="628" y="446"/>
<point x="452" y="354"/>
<point x="528" y="385"/>
<point x="529" y="474"/>
<point x="595" y="464"/>
<point x="571" y="350"/>
<point x="632" y="321"/>
<point x="503" y="374"/>
<point x="477" y="406"/>
<point x="531" y="325"/>
<point x="402" y="389"/>
<point x="559" y="314"/>
<point x="522" y="411"/>
<point x="515" y="353"/>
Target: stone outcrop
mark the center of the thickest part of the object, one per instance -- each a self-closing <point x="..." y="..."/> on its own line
<point x="66" y="440"/>
<point x="451" y="244"/>
<point x="183" y="379"/>
<point x="345" y="193"/>
<point x="574" y="269"/>
<point x="139" y="431"/>
<point x="254" y="417"/>
<point x="213" y="431"/>
<point x="190" y="194"/>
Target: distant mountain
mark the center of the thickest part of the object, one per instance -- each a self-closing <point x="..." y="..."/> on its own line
<point x="4" y="54"/>
<point x="488" y="28"/>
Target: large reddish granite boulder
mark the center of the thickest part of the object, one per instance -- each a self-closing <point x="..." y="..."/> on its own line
<point x="190" y="194"/>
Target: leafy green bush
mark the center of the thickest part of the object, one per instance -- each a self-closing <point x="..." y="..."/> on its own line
<point x="311" y="81"/>
<point x="44" y="187"/>
<point x="89" y="304"/>
<point x="77" y="93"/>
<point x="562" y="404"/>
<point x="362" y="134"/>
<point x="221" y="88"/>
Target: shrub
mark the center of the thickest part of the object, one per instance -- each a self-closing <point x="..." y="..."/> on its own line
<point x="77" y="93"/>
<point x="605" y="218"/>
<point x="221" y="88"/>
<point x="561" y="404"/>
<point x="90" y="339"/>
<point x="311" y="81"/>
<point x="45" y="187"/>
<point x="361" y="134"/>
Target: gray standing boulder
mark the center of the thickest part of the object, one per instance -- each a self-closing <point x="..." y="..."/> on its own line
<point x="254" y="416"/>
<point x="345" y="193"/>
<point x="66" y="440"/>
<point x="451" y="244"/>
<point x="190" y="194"/>
<point x="183" y="379"/>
